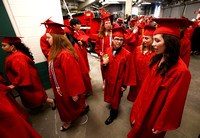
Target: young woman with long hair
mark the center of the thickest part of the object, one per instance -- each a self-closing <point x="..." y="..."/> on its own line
<point x="65" y="76"/>
<point x="23" y="74"/>
<point x="160" y="102"/>
<point x="141" y="59"/>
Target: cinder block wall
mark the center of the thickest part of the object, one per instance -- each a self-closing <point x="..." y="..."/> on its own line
<point x="26" y="17"/>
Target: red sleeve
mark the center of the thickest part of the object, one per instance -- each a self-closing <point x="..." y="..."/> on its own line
<point x="98" y="48"/>
<point x="185" y="51"/>
<point x="130" y="74"/>
<point x="44" y="45"/>
<point x="20" y="71"/>
<point x="130" y="37"/>
<point x="171" y="113"/>
<point x="73" y="76"/>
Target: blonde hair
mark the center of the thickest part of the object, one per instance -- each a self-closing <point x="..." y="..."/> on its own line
<point x="103" y="30"/>
<point x="151" y="49"/>
<point x="60" y="42"/>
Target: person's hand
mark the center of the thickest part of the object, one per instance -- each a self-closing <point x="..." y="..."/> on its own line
<point x="123" y="89"/>
<point x="101" y="53"/>
<point x="80" y="43"/>
<point x="105" y="60"/>
<point x="11" y="86"/>
<point x="133" y="123"/>
<point x="75" y="98"/>
<point x="135" y="30"/>
<point x="156" y="131"/>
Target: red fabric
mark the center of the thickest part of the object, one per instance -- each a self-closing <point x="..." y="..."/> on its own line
<point x="132" y="40"/>
<point x="189" y="32"/>
<point x="140" y="62"/>
<point x="70" y="80"/>
<point x="83" y="47"/>
<point x="118" y="31"/>
<point x="12" y="124"/>
<point x="149" y="30"/>
<point x="45" y="46"/>
<point x="160" y="102"/>
<point x="22" y="73"/>
<point x="4" y="89"/>
<point x="101" y="46"/>
<point x="11" y="39"/>
<point x="84" y="69"/>
<point x="54" y="28"/>
<point x="185" y="50"/>
<point x="116" y="76"/>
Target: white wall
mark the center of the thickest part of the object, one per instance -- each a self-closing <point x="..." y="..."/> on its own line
<point x="26" y="17"/>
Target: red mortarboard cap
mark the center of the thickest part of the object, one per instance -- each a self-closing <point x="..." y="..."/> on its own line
<point x="198" y="18"/>
<point x="54" y="28"/>
<point x="47" y="21"/>
<point x="149" y="30"/>
<point x="168" y="26"/>
<point x="11" y="39"/>
<point x="133" y="21"/>
<point x="105" y="17"/>
<point x="120" y="20"/>
<point x="69" y="29"/>
<point x="118" y="31"/>
<point x="83" y="38"/>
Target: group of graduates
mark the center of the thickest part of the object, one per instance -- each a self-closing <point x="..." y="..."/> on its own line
<point x="152" y="60"/>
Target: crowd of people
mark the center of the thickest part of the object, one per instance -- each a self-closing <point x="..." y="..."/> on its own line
<point x="151" y="56"/>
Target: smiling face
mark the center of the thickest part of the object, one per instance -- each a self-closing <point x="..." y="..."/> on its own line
<point x="49" y="39"/>
<point x="117" y="42"/>
<point x="158" y="44"/>
<point x="147" y="40"/>
<point x="7" y="47"/>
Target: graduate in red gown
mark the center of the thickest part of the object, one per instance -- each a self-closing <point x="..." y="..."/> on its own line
<point x="84" y="69"/>
<point x="81" y="37"/>
<point x="141" y="57"/>
<point x="160" y="102"/>
<point x="6" y="90"/>
<point x="13" y="125"/>
<point x="45" y="46"/>
<point x="116" y="68"/>
<point x="104" y="40"/>
<point x="22" y="73"/>
<point x="65" y="76"/>
<point x="132" y="38"/>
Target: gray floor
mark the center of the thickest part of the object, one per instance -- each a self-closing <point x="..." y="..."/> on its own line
<point x="47" y="122"/>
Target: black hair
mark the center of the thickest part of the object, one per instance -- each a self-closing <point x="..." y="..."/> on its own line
<point x="24" y="49"/>
<point x="74" y="22"/>
<point x="71" y="38"/>
<point x="171" y="54"/>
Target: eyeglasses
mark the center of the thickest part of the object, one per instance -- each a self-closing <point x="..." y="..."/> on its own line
<point x="117" y="39"/>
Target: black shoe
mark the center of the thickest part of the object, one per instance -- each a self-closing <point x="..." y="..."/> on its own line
<point x="54" y="108"/>
<point x="85" y="110"/>
<point x="109" y="120"/>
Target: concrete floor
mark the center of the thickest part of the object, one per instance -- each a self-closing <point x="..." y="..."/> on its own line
<point x="47" y="122"/>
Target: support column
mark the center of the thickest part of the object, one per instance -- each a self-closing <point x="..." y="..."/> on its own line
<point x="128" y="8"/>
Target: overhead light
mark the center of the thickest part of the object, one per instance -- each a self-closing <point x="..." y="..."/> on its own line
<point x="109" y="2"/>
<point x="145" y="3"/>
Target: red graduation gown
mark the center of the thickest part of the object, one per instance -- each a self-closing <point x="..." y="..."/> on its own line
<point x="189" y="32"/>
<point x="140" y="62"/>
<point x="84" y="69"/>
<point x="102" y="44"/>
<point x="45" y="46"/>
<point x="132" y="40"/>
<point x="69" y="77"/>
<point x="5" y="90"/>
<point x="116" y="76"/>
<point x="160" y="102"/>
<point x="12" y="124"/>
<point x="83" y="47"/>
<point x="185" y="50"/>
<point x="22" y="73"/>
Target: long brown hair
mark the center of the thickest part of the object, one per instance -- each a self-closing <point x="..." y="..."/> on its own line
<point x="60" y="42"/>
<point x="171" y="54"/>
<point x="103" y="30"/>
